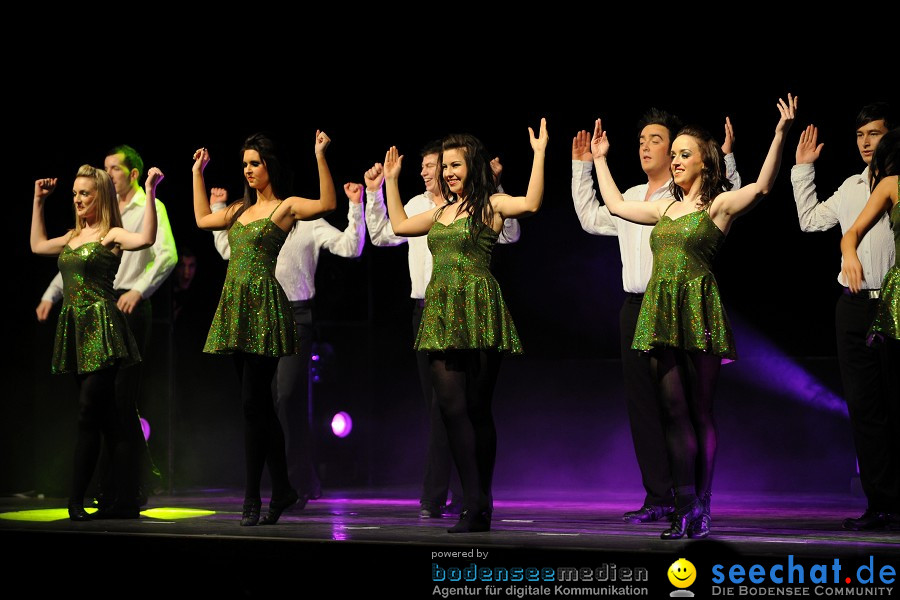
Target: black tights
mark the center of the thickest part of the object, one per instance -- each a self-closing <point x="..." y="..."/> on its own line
<point x="464" y="385"/>
<point x="99" y="419"/>
<point x="687" y="382"/>
<point x="263" y="436"/>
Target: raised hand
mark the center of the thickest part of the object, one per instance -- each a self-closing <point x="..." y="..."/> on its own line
<point x="354" y="192"/>
<point x="581" y="146"/>
<point x="373" y="177"/>
<point x="599" y="142"/>
<point x="322" y="141"/>
<point x="201" y="159"/>
<point x="788" y="110"/>
<point x="496" y="169"/>
<point x="728" y="145"/>
<point x="392" y="162"/>
<point x="539" y="144"/>
<point x="44" y="187"/>
<point x="218" y="196"/>
<point x="154" y="177"/>
<point x="808" y="149"/>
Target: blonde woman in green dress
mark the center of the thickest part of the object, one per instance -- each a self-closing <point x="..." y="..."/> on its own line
<point x="93" y="339"/>
<point x="682" y="324"/>
<point x="253" y="321"/>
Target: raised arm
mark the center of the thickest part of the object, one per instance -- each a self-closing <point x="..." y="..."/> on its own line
<point x="813" y="215"/>
<point x="593" y="216"/>
<point x="511" y="207"/>
<point x="306" y="209"/>
<point x="349" y="242"/>
<point x="731" y="172"/>
<point x="882" y="200"/>
<point x="377" y="220"/>
<point x="645" y="213"/>
<point x="138" y="240"/>
<point x="39" y="242"/>
<point x="206" y="219"/>
<point x="730" y="205"/>
<point x="218" y="200"/>
<point x="401" y="223"/>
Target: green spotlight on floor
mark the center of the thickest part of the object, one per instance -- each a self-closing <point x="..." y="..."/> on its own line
<point x="170" y="514"/>
<point x="59" y="514"/>
<point x="40" y="515"/>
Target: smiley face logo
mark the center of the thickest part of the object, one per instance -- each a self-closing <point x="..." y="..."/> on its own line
<point x="682" y="573"/>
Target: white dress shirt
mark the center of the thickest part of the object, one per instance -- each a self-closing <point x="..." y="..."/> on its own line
<point x="140" y="270"/>
<point x="295" y="268"/>
<point x="420" y="260"/>
<point x="876" y="249"/>
<point x="634" y="239"/>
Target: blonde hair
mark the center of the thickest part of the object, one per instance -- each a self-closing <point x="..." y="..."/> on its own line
<point x="108" y="214"/>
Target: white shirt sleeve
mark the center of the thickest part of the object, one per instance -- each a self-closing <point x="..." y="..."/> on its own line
<point x="380" y="231"/>
<point x="813" y="215"/>
<point x="731" y="172"/>
<point x="165" y="255"/>
<point x="594" y="217"/>
<point x="347" y="243"/>
<point x="54" y="292"/>
<point x="220" y="236"/>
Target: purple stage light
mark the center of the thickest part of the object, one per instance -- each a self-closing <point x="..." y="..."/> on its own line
<point x="767" y="367"/>
<point x="145" y="428"/>
<point x="341" y="424"/>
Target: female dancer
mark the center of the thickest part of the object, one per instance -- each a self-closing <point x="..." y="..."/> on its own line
<point x="465" y="325"/>
<point x="254" y="321"/>
<point x="93" y="339"/>
<point x="682" y="322"/>
<point x="885" y="171"/>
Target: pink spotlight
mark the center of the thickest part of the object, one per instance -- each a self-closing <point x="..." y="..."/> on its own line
<point x="145" y="428"/>
<point x="341" y="424"/>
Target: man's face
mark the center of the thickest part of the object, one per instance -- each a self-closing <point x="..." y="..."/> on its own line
<point x="653" y="145"/>
<point x="867" y="138"/>
<point x="119" y="173"/>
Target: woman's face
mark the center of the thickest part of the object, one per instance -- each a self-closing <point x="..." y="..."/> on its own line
<point x="454" y="170"/>
<point x="687" y="162"/>
<point x="84" y="197"/>
<point x="255" y="170"/>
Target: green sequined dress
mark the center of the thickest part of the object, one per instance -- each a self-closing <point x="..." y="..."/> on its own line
<point x="464" y="307"/>
<point x="682" y="307"/>
<point x="887" y="318"/>
<point x="254" y="315"/>
<point x="92" y="332"/>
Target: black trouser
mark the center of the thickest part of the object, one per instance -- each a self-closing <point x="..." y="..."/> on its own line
<point x="292" y="404"/>
<point x="263" y="435"/>
<point x="644" y="414"/>
<point x="439" y="473"/>
<point x="128" y="395"/>
<point x="871" y="400"/>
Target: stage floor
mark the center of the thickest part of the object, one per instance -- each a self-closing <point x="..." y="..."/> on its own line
<point x="370" y="540"/>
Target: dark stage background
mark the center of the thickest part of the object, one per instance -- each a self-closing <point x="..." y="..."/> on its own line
<point x="560" y="415"/>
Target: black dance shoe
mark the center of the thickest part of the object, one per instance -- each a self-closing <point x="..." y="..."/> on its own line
<point x="250" y="514"/>
<point x="428" y="510"/>
<point x="648" y="513"/>
<point x="681" y="519"/>
<point x="873" y="520"/>
<point x="276" y="507"/>
<point x="472" y="522"/>
<point x="699" y="527"/>
<point x="77" y="513"/>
